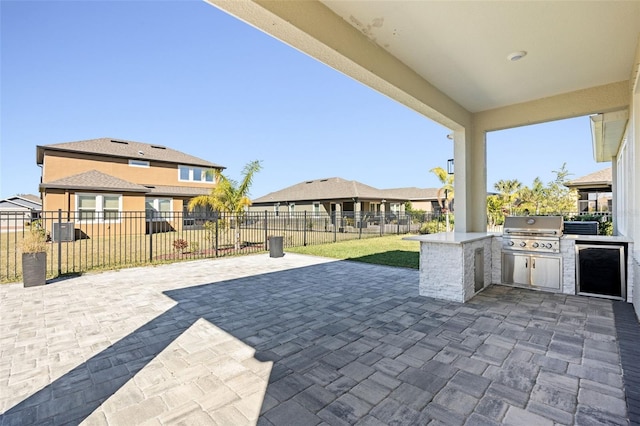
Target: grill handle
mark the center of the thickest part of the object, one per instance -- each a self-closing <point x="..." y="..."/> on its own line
<point x="527" y="233"/>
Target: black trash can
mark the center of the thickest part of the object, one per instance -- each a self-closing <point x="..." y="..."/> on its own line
<point x="275" y="247"/>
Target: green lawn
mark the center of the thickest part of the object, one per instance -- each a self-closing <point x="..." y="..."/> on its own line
<point x="390" y="251"/>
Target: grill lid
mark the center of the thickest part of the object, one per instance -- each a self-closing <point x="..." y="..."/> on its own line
<point x="533" y="225"/>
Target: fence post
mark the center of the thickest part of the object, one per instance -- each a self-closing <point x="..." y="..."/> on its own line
<point x="266" y="229"/>
<point x="304" y="230"/>
<point x="59" y="242"/>
<point x="335" y="226"/>
<point x="216" y="241"/>
<point x="150" y="238"/>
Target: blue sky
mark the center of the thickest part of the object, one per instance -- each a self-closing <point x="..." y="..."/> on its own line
<point x="186" y="75"/>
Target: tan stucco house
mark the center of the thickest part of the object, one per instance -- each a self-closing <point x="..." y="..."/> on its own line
<point x="594" y="191"/>
<point x="95" y="181"/>
<point x="349" y="197"/>
<point x="425" y="199"/>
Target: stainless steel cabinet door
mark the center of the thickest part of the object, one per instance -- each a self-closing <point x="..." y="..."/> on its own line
<point x="545" y="271"/>
<point x="515" y="269"/>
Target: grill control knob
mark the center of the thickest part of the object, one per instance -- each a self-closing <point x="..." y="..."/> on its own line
<point x="535" y="245"/>
<point x="522" y="244"/>
<point x="549" y="245"/>
<point x="510" y="243"/>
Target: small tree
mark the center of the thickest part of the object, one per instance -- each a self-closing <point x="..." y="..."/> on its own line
<point x="445" y="192"/>
<point x="495" y="213"/>
<point x="229" y="196"/>
<point x="560" y="198"/>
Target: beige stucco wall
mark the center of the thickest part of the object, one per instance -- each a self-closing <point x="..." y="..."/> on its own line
<point x="60" y="199"/>
<point x="58" y="165"/>
<point x="132" y="220"/>
<point x="422" y="205"/>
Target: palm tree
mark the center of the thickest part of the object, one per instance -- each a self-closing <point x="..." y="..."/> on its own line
<point x="446" y="189"/>
<point x="229" y="196"/>
<point x="508" y="190"/>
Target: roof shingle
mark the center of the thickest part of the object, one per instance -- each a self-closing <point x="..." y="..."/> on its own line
<point x="337" y="188"/>
<point x="177" y="191"/>
<point x="601" y="177"/>
<point x="94" y="180"/>
<point x="126" y="149"/>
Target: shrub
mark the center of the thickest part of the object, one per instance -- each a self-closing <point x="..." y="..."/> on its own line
<point x="432" y="227"/>
<point x="605" y="227"/>
<point x="180" y="245"/>
<point x="35" y="240"/>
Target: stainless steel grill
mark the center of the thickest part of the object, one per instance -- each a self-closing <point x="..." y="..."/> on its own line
<point x="532" y="233"/>
<point x="531" y="252"/>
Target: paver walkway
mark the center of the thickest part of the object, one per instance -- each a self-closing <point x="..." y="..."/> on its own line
<point x="300" y="340"/>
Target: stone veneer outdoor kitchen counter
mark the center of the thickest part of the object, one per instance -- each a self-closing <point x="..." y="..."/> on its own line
<point x="447" y="262"/>
<point x="453" y="264"/>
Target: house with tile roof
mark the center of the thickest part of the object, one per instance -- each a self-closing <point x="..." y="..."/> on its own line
<point x="594" y="191"/>
<point x="348" y="198"/>
<point x="96" y="180"/>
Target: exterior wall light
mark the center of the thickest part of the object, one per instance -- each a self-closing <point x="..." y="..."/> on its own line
<point x="450" y="166"/>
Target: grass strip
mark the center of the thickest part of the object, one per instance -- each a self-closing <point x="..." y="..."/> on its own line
<point x="389" y="250"/>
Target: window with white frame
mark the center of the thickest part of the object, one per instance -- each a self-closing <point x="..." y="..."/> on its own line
<point x="292" y="207"/>
<point x="195" y="174"/>
<point x="99" y="207"/>
<point x="158" y="208"/>
<point x="316" y="208"/>
<point x="138" y="163"/>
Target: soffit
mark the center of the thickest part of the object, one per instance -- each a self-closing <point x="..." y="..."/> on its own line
<point x="462" y="47"/>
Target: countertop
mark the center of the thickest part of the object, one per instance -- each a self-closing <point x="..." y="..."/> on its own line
<point x="598" y="238"/>
<point x="451" y="237"/>
<point x="466" y="237"/>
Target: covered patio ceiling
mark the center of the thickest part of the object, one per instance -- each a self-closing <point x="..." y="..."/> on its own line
<point x="460" y="49"/>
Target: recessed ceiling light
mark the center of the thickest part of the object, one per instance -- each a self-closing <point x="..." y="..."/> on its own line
<point x="516" y="56"/>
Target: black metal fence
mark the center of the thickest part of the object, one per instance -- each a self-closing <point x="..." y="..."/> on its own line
<point x="79" y="242"/>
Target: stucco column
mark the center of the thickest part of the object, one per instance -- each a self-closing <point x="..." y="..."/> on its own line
<point x="470" y="183"/>
<point x="338" y="215"/>
<point x="357" y="208"/>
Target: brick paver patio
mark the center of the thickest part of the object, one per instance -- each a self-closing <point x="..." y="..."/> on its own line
<point x="301" y="340"/>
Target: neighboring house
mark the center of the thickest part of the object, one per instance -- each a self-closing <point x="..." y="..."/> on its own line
<point x="18" y="210"/>
<point x="425" y="199"/>
<point x="331" y="195"/>
<point x="594" y="191"/>
<point x="94" y="181"/>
